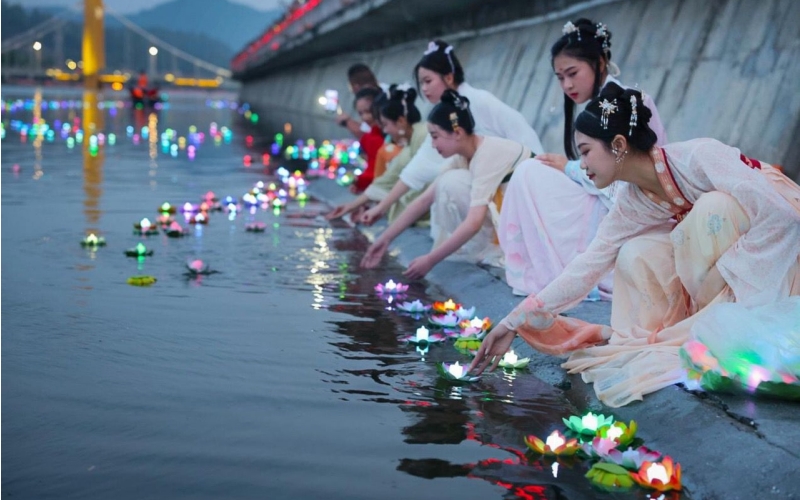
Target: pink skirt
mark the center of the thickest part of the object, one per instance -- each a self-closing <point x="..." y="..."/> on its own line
<point x="546" y="220"/>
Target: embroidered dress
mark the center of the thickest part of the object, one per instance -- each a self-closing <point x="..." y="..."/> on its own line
<point x="743" y="220"/>
<point x="463" y="185"/>
<point x="548" y="218"/>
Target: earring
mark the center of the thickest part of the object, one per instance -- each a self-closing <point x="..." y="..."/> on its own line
<point x="621" y="157"/>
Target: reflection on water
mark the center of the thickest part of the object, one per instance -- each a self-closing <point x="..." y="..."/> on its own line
<point x="281" y="376"/>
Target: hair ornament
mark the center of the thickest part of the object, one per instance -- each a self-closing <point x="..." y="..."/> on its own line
<point x="432" y="47"/>
<point x="570" y="28"/>
<point x="602" y="33"/>
<point x="634" y="116"/>
<point x="454" y="121"/>
<point x="459" y="102"/>
<point x="607" y="109"/>
<point x="447" y="52"/>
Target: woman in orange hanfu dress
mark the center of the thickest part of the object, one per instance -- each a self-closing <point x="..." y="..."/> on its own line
<point x="698" y="224"/>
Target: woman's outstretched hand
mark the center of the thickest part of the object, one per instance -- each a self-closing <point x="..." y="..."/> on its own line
<point x="419" y="267"/>
<point x="554" y="160"/>
<point x="374" y="254"/>
<point x="492" y="349"/>
<point x="371" y="216"/>
<point x="337" y="212"/>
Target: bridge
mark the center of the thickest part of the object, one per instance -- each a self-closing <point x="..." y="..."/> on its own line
<point x="38" y="55"/>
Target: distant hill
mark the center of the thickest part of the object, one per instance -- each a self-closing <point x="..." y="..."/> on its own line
<point x="231" y="23"/>
<point x="212" y="30"/>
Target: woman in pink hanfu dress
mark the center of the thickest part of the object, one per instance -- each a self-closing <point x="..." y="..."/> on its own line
<point x="697" y="224"/>
<point x="548" y="218"/>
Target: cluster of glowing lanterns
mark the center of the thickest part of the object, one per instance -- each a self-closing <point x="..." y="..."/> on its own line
<point x="617" y="464"/>
<point x="445" y="320"/>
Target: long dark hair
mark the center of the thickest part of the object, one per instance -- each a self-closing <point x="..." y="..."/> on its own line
<point x="604" y="127"/>
<point x="440" y="58"/>
<point x="453" y="112"/>
<point x="589" y="42"/>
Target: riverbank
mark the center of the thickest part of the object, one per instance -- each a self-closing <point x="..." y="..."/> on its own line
<point x="730" y="447"/>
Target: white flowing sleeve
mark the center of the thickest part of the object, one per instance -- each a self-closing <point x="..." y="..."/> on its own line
<point x="755" y="267"/>
<point x="631" y="216"/>
<point x="495" y="118"/>
<point x="423" y="168"/>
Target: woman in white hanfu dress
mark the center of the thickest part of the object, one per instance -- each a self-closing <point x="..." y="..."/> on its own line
<point x="547" y="218"/>
<point x="697" y="224"/>
<point x="440" y="70"/>
<point x="461" y="197"/>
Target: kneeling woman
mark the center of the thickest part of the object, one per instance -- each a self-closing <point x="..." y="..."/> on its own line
<point x="460" y="197"/>
<point x="699" y="224"/>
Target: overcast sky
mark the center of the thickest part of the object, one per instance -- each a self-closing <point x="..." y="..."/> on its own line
<point x="128" y="6"/>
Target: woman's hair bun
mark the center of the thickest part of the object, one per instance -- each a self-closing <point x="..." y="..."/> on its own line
<point x="455" y="99"/>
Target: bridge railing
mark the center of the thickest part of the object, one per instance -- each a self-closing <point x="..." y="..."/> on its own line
<point x="298" y="21"/>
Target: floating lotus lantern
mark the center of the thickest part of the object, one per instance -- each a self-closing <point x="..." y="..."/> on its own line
<point x="141" y="280"/>
<point x="197" y="266"/>
<point x="199" y="218"/>
<point x="145" y="227"/>
<point x="189" y="208"/>
<point x="443" y="307"/>
<point x="610" y="477"/>
<point x="619" y="432"/>
<point x="210" y="197"/>
<point x="166" y="208"/>
<point x="465" y="314"/>
<point x="599" y="447"/>
<point x="175" y="230"/>
<point x="455" y="372"/>
<point x="633" y="458"/>
<point x="93" y="241"/>
<point x="391" y="287"/>
<point x="255" y="227"/>
<point x="449" y="320"/>
<point x="510" y="361"/>
<point x="588" y="424"/>
<point x="165" y="220"/>
<point x="475" y="327"/>
<point x="424" y="336"/>
<point x="415" y="307"/>
<point x="555" y="444"/>
<point x="138" y="251"/>
<point x="661" y="476"/>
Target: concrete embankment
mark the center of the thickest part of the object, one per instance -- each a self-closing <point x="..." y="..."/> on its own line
<point x="730" y="447"/>
<point x="727" y="69"/>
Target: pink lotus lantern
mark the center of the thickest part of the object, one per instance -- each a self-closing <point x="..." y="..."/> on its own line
<point x="391" y="287"/>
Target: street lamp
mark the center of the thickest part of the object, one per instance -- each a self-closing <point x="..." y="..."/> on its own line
<point x="153" y="52"/>
<point x="37" y="48"/>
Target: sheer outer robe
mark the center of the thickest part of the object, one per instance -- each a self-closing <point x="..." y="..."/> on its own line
<point x="493" y="118"/>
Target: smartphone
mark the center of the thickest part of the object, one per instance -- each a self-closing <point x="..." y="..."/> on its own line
<point x="330" y="101"/>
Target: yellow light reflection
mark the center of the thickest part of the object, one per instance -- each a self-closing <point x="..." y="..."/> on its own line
<point x="92" y="163"/>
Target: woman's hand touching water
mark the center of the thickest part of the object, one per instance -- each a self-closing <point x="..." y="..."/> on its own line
<point x="492" y="349"/>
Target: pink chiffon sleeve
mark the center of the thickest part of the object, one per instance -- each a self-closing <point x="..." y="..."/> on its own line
<point x="632" y="215"/>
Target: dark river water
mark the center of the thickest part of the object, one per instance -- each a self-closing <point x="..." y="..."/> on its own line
<point x="280" y="376"/>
